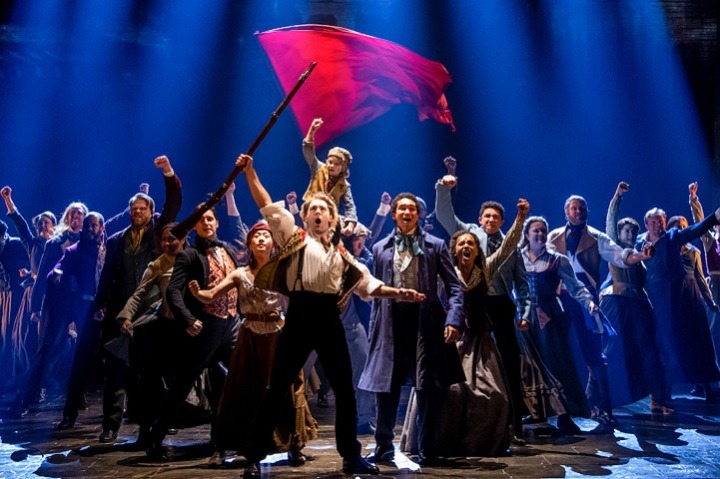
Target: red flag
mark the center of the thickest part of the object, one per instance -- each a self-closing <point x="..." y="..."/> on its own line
<point x="357" y="78"/>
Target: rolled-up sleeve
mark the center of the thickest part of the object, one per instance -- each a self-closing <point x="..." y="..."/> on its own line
<point x="611" y="252"/>
<point x="280" y="220"/>
<point x="368" y="284"/>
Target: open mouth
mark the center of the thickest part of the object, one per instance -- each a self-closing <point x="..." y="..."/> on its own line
<point x="466" y="253"/>
<point x="318" y="221"/>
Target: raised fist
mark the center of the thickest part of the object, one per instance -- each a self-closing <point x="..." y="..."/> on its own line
<point x="622" y="188"/>
<point x="450" y="164"/>
<point x="162" y="162"/>
<point x="523" y="206"/>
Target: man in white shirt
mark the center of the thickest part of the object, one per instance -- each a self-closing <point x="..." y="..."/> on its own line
<point x="318" y="276"/>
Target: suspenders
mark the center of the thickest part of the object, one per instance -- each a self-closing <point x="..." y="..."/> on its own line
<point x="298" y="277"/>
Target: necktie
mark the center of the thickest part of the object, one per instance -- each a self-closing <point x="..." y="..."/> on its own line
<point x="493" y="244"/>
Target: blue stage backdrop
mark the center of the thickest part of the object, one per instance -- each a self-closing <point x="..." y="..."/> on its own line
<point x="550" y="98"/>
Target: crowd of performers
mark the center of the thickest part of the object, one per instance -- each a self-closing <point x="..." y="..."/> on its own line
<point x="491" y="331"/>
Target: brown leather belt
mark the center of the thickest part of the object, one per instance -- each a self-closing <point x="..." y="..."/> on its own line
<point x="272" y="316"/>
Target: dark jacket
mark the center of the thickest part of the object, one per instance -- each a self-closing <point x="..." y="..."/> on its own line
<point x="35" y="245"/>
<point x="79" y="268"/>
<point x="190" y="264"/>
<point x="114" y="287"/>
<point x="13" y="257"/>
<point x="54" y="249"/>
<point x="438" y="364"/>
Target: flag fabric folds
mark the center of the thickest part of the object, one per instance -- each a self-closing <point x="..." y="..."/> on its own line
<point x="358" y="77"/>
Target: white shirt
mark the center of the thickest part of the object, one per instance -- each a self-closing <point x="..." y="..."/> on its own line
<point x="322" y="268"/>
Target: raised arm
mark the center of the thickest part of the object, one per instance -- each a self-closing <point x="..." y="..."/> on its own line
<point x="257" y="190"/>
<point x="378" y="220"/>
<point x="6" y="193"/>
<point x="698" y="215"/>
<point x="21" y="225"/>
<point x="444" y="210"/>
<point x="173" y="192"/>
<point x="309" y="146"/>
<point x="613" y="211"/>
<point x="510" y="242"/>
<point x="238" y="229"/>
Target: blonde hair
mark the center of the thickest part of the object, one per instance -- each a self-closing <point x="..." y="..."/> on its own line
<point x="64" y="223"/>
<point x="323" y="197"/>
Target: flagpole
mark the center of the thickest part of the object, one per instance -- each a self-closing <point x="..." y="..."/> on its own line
<point x="183" y="228"/>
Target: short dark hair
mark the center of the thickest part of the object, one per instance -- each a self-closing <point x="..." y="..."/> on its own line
<point x="634" y="225"/>
<point x="94" y="214"/>
<point x="493" y="205"/>
<point x="45" y="214"/>
<point x="212" y="210"/>
<point x="675" y="221"/>
<point x="3" y="228"/>
<point x="404" y="196"/>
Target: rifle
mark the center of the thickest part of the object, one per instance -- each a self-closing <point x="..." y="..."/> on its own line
<point x="183" y="228"/>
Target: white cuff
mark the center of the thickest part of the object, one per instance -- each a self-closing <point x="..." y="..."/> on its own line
<point x="383" y="210"/>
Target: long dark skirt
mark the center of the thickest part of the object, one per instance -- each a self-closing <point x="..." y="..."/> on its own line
<point x="475" y="416"/>
<point x="550" y="382"/>
<point x="248" y="376"/>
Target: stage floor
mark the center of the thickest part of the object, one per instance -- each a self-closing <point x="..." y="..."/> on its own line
<point x="684" y="445"/>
